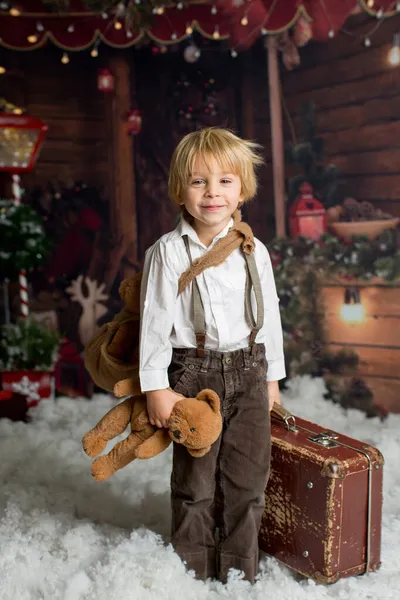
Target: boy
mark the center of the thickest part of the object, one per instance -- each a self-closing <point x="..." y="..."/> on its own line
<point x="207" y="337"/>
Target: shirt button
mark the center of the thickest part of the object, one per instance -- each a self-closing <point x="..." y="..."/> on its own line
<point x="228" y="360"/>
<point x="254" y="364"/>
<point x="191" y="367"/>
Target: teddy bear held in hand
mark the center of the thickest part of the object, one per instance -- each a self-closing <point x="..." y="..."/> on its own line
<point x="194" y="422"/>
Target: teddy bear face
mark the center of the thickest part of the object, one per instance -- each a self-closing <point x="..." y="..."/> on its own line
<point x="129" y="290"/>
<point x="196" y="422"/>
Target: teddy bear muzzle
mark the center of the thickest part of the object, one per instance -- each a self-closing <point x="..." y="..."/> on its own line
<point x="177" y="434"/>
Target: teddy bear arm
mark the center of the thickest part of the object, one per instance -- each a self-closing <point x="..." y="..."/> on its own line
<point x="158" y="442"/>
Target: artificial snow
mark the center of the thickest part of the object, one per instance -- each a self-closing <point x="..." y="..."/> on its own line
<point x="64" y="536"/>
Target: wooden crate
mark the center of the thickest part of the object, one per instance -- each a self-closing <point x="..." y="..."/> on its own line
<point x="376" y="338"/>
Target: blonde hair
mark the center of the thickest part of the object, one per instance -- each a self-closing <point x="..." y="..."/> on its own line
<point x="240" y="157"/>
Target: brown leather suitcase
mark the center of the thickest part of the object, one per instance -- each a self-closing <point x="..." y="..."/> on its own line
<point x="323" y="508"/>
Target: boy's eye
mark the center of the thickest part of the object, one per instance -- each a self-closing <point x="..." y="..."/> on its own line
<point x="226" y="181"/>
<point x="197" y="181"/>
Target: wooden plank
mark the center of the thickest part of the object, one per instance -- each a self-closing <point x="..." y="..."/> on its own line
<point x="386" y="187"/>
<point x="383" y="85"/>
<point x="351" y="117"/>
<point x="390" y="206"/>
<point x="386" y="392"/>
<point x="380" y="326"/>
<point x="375" y="361"/>
<point x="73" y="151"/>
<point x="368" y="62"/>
<point x="79" y="129"/>
<point x="377" y="301"/>
<point x="367" y="137"/>
<point x="381" y="162"/>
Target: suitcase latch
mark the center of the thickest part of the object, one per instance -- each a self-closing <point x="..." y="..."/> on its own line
<point x="325" y="439"/>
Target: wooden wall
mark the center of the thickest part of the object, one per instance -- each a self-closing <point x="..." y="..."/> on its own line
<point x="65" y="97"/>
<point x="376" y="338"/>
<point x="357" y="97"/>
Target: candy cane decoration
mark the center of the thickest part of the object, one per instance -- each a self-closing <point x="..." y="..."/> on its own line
<point x="22" y="280"/>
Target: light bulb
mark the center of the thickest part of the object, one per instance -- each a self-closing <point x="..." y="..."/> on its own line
<point x="367" y="42"/>
<point x="32" y="39"/>
<point x="160" y="10"/>
<point x="174" y="36"/>
<point x="117" y="25"/>
<point x="2" y="70"/>
<point x="213" y="10"/>
<point x="352" y="313"/>
<point x="394" y="56"/>
<point x="234" y="53"/>
<point x="179" y="6"/>
<point x="94" y="52"/>
<point x="71" y="28"/>
<point x="15" y="12"/>
<point x="189" y="30"/>
<point x="244" y="21"/>
<point x="331" y="33"/>
<point x="39" y="26"/>
<point x="65" y="59"/>
<point x="379" y="14"/>
<point x="370" y="3"/>
<point x="216" y="34"/>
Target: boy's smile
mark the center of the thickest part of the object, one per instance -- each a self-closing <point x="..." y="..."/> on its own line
<point x="211" y="196"/>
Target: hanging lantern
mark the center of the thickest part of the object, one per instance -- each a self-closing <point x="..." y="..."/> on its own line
<point x="105" y="80"/>
<point x="134" y="122"/>
<point x="352" y="311"/>
<point x="307" y="215"/>
<point x="20" y="140"/>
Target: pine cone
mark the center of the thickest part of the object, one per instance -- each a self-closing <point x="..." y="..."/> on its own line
<point x="367" y="211"/>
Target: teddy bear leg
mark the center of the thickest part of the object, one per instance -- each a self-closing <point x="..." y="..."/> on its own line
<point x="158" y="442"/>
<point x="112" y="424"/>
<point x="121" y="455"/>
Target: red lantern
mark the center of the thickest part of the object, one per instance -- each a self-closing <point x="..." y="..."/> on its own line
<point x="307" y="215"/>
<point x="134" y="122"/>
<point x="105" y="80"/>
<point x="20" y="139"/>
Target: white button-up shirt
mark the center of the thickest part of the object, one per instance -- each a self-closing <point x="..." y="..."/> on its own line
<point x="166" y="317"/>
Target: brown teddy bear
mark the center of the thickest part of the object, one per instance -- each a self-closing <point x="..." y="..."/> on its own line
<point x="194" y="422"/>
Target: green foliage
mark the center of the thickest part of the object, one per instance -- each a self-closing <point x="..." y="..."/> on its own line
<point x="24" y="244"/>
<point x="28" y="345"/>
<point x="309" y="155"/>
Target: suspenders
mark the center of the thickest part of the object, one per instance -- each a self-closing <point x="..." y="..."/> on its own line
<point x="252" y="281"/>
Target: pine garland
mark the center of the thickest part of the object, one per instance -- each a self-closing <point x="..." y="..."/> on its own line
<point x="28" y="345"/>
<point x="24" y="244"/>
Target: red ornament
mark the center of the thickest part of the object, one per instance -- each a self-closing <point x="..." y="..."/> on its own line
<point x="307" y="215"/>
<point x="134" y="122"/>
<point x="105" y="80"/>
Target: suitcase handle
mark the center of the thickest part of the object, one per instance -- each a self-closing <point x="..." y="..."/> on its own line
<point x="285" y="416"/>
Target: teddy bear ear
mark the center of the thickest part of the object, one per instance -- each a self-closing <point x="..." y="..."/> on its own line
<point x="211" y="398"/>
<point x="130" y="286"/>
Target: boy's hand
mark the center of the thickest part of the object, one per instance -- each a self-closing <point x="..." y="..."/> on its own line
<point x="273" y="393"/>
<point x="159" y="406"/>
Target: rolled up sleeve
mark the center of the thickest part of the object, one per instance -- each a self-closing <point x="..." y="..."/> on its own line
<point x="271" y="333"/>
<point x="158" y="300"/>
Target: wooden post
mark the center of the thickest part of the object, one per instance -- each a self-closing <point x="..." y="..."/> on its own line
<point x="123" y="215"/>
<point x="278" y="163"/>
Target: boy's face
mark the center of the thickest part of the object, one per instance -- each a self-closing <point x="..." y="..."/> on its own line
<point x="211" y="195"/>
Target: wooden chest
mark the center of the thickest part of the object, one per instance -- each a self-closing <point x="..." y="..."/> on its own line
<point x="323" y="501"/>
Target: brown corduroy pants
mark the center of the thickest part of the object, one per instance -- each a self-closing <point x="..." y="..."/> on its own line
<point x="225" y="488"/>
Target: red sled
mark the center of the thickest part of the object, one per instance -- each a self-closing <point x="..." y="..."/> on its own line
<point x="323" y="510"/>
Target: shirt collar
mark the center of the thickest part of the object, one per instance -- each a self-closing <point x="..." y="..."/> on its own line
<point x="184" y="228"/>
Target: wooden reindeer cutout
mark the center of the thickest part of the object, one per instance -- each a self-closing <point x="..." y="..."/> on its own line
<point x="92" y="309"/>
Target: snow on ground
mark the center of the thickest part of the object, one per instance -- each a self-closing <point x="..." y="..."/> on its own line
<point x="64" y="536"/>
